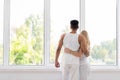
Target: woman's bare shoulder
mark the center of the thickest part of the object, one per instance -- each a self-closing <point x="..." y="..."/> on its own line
<point x="81" y="37"/>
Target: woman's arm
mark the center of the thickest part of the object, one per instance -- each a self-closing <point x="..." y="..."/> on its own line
<point x="75" y="53"/>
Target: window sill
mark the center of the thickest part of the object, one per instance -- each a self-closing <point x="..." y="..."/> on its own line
<point x="29" y="68"/>
<point x="53" y="69"/>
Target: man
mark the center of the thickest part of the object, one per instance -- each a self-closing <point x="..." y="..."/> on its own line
<point x="70" y="63"/>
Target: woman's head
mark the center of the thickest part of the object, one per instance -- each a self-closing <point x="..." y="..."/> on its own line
<point x="74" y="24"/>
<point x="85" y="34"/>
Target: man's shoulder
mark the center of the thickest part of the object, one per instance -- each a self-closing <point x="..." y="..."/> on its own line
<point x="63" y="35"/>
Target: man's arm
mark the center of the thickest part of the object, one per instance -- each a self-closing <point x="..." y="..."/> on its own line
<point x="75" y="53"/>
<point x="58" y="51"/>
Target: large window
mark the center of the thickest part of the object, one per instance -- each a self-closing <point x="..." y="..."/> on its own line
<point x="32" y="29"/>
<point x="100" y="22"/>
<point x="1" y="31"/>
<point x="26" y="32"/>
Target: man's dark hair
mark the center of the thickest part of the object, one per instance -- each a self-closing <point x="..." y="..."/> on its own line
<point x="74" y="24"/>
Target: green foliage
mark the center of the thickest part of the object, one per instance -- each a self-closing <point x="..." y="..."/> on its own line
<point x="105" y="52"/>
<point x="27" y="44"/>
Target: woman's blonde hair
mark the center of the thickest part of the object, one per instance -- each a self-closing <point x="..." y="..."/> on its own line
<point x="85" y="34"/>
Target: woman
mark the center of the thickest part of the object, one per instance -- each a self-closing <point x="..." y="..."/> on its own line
<point x="84" y="63"/>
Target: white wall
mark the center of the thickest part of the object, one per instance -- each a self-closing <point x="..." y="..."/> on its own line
<point x="54" y="75"/>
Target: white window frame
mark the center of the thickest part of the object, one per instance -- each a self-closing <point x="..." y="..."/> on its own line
<point x="118" y="29"/>
<point x="82" y="25"/>
<point x="6" y="36"/>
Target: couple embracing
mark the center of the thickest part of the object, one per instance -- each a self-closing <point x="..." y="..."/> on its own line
<point x="75" y="65"/>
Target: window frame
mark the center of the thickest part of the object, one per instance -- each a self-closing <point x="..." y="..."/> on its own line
<point x="117" y="41"/>
<point x="6" y="37"/>
<point x="117" y="66"/>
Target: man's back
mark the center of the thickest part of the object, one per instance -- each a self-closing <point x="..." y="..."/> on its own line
<point x="70" y="41"/>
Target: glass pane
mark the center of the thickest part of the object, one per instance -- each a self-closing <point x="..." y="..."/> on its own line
<point x="1" y="31"/>
<point x="100" y="19"/>
<point x="62" y="11"/>
<point x="26" y="32"/>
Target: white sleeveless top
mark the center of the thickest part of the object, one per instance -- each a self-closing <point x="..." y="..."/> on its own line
<point x="84" y="59"/>
<point x="70" y="41"/>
